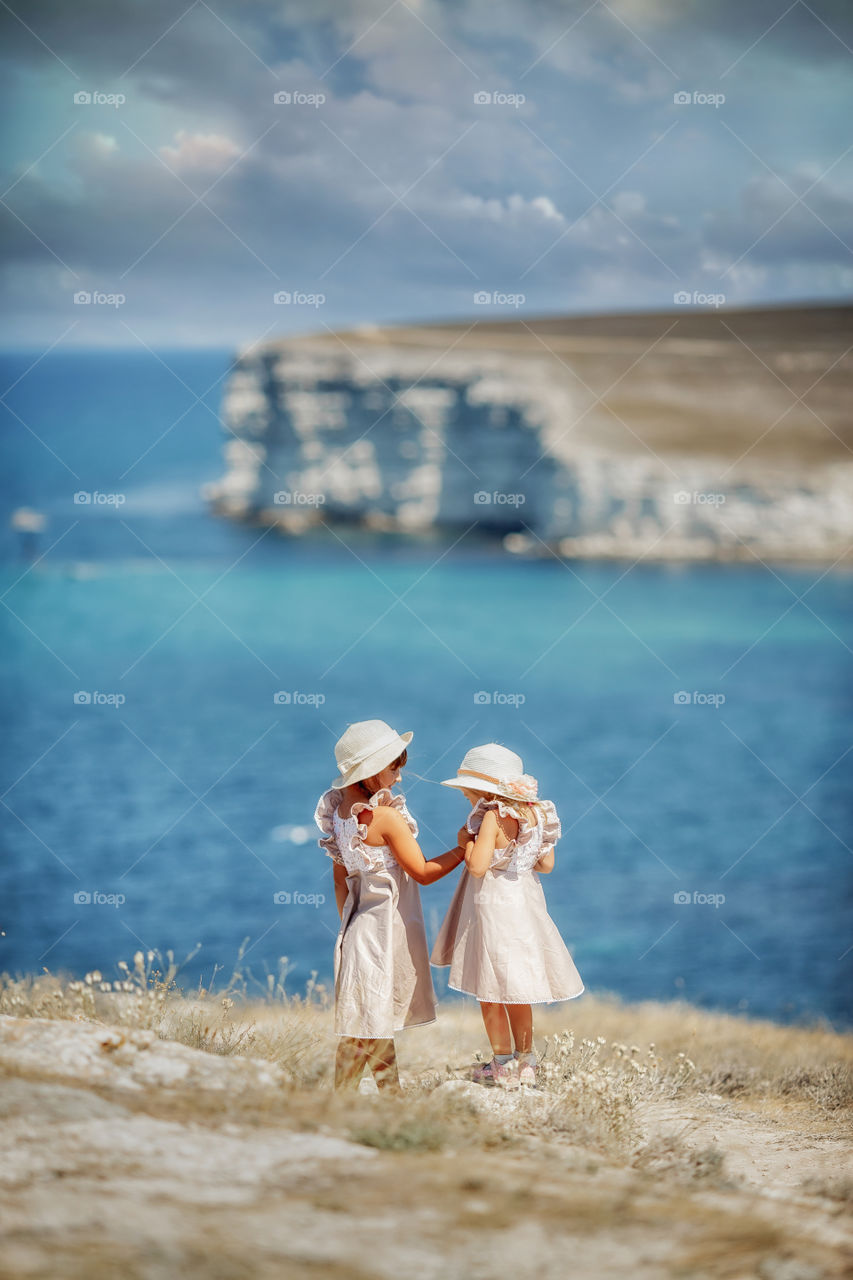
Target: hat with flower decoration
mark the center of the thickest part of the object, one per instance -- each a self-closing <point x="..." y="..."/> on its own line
<point x="496" y="770"/>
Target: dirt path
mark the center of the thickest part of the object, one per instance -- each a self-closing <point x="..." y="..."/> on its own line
<point x="763" y="1152"/>
<point x="122" y="1155"/>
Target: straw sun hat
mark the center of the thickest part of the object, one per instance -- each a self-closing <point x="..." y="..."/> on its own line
<point x="365" y="748"/>
<point x="496" y="770"/>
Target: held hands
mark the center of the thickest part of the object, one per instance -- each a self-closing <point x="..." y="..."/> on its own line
<point x="464" y="842"/>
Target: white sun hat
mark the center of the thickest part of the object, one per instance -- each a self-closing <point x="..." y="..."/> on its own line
<point x="496" y="770"/>
<point x="365" y="748"/>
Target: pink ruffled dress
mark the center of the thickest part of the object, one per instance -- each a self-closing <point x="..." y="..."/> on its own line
<point x="497" y="937"/>
<point x="382" y="975"/>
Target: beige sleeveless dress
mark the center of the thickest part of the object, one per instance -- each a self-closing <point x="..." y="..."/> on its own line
<point x="497" y="937"/>
<point x="382" y="975"/>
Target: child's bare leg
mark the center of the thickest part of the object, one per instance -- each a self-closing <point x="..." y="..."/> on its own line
<point x="382" y="1056"/>
<point x="521" y="1020"/>
<point x="497" y="1027"/>
<point x="349" y="1062"/>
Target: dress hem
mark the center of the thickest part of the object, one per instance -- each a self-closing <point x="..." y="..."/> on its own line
<point x="486" y="1000"/>
<point x="405" y="1027"/>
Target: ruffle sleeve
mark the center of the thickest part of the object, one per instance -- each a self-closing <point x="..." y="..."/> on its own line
<point x="481" y="808"/>
<point x="551" y="827"/>
<point x="380" y="799"/>
<point x="324" y="817"/>
<point x="476" y="816"/>
<point x="502" y="857"/>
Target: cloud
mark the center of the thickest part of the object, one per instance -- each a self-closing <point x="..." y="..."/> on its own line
<point x="103" y="145"/>
<point x="304" y="195"/>
<point x="770" y="226"/>
<point x="203" y="151"/>
<point x="582" y="38"/>
<point x="513" y="209"/>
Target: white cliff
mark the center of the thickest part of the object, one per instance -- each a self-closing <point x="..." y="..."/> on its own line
<point x="694" y="437"/>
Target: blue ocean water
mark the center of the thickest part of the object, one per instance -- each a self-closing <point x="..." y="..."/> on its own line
<point x="183" y="810"/>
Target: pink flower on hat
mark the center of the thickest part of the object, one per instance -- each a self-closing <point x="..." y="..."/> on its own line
<point x="524" y="787"/>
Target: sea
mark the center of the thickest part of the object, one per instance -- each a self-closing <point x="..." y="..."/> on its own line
<point x="173" y="685"/>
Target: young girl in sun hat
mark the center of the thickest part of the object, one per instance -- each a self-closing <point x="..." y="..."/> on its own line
<point x="382" y="975"/>
<point x="497" y="937"/>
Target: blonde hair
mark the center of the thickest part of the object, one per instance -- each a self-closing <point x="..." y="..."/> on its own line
<point x="523" y="810"/>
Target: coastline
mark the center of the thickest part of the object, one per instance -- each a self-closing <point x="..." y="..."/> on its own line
<point x="672" y="437"/>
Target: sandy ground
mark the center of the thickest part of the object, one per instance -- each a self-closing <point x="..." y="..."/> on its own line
<point x="122" y="1154"/>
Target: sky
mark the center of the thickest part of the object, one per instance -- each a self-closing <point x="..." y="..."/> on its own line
<point x="209" y="174"/>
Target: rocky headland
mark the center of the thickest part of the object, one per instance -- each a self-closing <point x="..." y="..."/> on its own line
<point x="689" y="435"/>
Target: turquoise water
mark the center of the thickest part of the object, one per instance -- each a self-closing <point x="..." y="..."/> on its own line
<point x="193" y="799"/>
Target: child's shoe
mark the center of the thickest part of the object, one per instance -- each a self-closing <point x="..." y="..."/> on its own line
<point x="528" y="1070"/>
<point x="502" y="1074"/>
<point x="483" y="1073"/>
<point x="506" y="1074"/>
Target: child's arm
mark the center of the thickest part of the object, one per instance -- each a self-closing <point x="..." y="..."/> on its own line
<point x="394" y="829"/>
<point x="479" y="852"/>
<point x="341" y="889"/>
<point x="551" y="836"/>
<point x="546" y="862"/>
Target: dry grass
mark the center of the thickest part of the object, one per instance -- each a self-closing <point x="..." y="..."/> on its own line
<point x="460" y="1171"/>
<point x="599" y="1059"/>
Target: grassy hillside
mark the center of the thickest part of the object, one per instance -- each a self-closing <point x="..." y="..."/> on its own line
<point x="148" y="1134"/>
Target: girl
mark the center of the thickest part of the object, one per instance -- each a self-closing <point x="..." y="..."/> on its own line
<point x="497" y="936"/>
<point x="382" y="976"/>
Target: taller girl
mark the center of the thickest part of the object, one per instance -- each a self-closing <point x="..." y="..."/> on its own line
<point x="497" y="936"/>
<point x="382" y="975"/>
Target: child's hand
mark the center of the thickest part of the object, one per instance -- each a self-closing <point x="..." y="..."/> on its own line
<point x="463" y="835"/>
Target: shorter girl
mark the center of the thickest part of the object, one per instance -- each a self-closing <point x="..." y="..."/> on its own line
<point x="382" y="977"/>
<point x="497" y="937"/>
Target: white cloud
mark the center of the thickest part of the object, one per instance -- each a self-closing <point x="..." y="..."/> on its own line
<point x="512" y="209"/>
<point x="104" y="144"/>
<point x="547" y="208"/>
<point x="200" y="151"/>
<point x="307" y="204"/>
<point x="767" y="223"/>
<point x="627" y="202"/>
